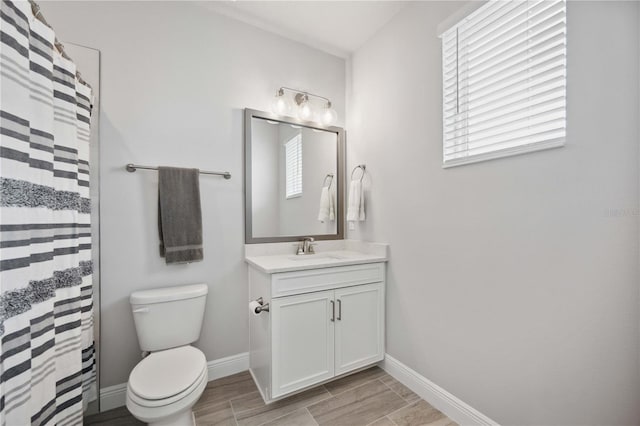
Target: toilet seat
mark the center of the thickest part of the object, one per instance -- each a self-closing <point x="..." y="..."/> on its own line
<point x="166" y="383"/>
<point x="165" y="412"/>
<point x="167" y="376"/>
<point x="151" y="403"/>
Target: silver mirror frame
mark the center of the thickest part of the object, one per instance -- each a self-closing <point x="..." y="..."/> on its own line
<point x="340" y="162"/>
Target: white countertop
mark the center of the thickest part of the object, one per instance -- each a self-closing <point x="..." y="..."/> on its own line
<point x="347" y="252"/>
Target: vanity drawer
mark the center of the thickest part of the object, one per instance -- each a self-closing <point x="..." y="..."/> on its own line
<point x="307" y="281"/>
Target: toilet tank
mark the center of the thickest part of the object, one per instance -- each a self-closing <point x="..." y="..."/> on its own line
<point x="168" y="317"/>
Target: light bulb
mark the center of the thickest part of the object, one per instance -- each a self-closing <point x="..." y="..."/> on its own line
<point x="280" y="104"/>
<point x="328" y="115"/>
<point x="305" y="111"/>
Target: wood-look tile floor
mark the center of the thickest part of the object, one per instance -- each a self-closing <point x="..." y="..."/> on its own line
<point x="370" y="397"/>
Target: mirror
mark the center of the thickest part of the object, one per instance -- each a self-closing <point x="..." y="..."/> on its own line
<point x="294" y="174"/>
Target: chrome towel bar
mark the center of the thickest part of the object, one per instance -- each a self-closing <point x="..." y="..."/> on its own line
<point x="133" y="167"/>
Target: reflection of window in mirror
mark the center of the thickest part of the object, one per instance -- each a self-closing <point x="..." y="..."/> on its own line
<point x="293" y="169"/>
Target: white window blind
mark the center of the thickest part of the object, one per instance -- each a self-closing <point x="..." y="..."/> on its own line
<point x="504" y="81"/>
<point x="293" y="168"/>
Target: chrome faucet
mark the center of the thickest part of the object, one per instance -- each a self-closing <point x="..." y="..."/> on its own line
<point x="306" y="246"/>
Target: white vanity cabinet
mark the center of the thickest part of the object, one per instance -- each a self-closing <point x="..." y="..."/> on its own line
<point x="322" y="323"/>
<point x="359" y="326"/>
<point x="302" y="333"/>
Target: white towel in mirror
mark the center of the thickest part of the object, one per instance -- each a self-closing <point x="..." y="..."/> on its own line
<point x="355" y="206"/>
<point x="327" y="210"/>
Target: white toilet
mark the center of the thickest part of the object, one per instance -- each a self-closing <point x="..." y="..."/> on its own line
<point x="166" y="384"/>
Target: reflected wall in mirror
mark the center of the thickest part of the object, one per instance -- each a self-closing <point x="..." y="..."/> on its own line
<point x="293" y="179"/>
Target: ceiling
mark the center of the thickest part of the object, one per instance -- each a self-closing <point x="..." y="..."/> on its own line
<point x="337" y="27"/>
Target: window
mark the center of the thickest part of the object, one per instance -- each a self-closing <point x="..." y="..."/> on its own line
<point x="504" y="81"/>
<point x="293" y="166"/>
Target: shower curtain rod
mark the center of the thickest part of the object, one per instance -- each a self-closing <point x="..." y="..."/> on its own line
<point x="35" y="9"/>
<point x="133" y="167"/>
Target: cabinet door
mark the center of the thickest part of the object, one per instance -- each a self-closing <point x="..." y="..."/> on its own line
<point x="359" y="326"/>
<point x="303" y="341"/>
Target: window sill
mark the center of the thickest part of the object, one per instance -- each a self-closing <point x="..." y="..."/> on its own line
<point x="509" y="152"/>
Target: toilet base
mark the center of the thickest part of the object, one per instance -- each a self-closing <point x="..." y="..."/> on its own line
<point x="185" y="418"/>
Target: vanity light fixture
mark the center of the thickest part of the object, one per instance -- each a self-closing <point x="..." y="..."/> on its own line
<point x="302" y="107"/>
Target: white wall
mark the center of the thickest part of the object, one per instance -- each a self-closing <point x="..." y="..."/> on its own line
<point x="513" y="284"/>
<point x="175" y="80"/>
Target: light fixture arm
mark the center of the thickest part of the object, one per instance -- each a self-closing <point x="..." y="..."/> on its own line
<point x="302" y="93"/>
<point x="282" y="105"/>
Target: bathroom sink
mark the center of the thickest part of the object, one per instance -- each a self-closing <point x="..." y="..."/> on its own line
<point x="315" y="257"/>
<point x="287" y="261"/>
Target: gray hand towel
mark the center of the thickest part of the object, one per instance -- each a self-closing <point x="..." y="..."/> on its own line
<point x="179" y="215"/>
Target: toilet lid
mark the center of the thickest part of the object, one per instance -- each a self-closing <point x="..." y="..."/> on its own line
<point x="166" y="373"/>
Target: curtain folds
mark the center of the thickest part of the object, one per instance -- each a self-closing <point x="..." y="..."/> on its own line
<point x="47" y="364"/>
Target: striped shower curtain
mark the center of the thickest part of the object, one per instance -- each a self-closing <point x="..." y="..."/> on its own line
<point x="47" y="362"/>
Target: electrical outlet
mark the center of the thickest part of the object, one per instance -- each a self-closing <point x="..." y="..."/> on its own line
<point x="352" y="226"/>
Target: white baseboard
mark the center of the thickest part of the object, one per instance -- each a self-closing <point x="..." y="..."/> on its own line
<point x="113" y="396"/>
<point x="224" y="367"/>
<point x="454" y="408"/>
<point x="116" y="396"/>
